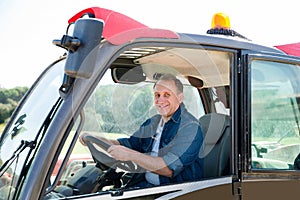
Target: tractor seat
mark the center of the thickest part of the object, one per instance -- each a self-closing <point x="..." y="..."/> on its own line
<point x="216" y="146"/>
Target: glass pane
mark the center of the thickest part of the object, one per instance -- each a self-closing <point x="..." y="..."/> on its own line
<point x="26" y="128"/>
<point x="274" y="114"/>
<point x="116" y="108"/>
<point x="122" y="102"/>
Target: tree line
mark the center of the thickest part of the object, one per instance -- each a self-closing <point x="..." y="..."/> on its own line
<point x="9" y="99"/>
<point x="118" y="109"/>
<point x="123" y="108"/>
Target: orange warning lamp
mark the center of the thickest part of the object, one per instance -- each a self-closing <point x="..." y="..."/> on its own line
<point x="220" y="25"/>
<point x="220" y="20"/>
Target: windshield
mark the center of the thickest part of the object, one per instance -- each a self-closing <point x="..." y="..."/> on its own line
<point x="25" y="126"/>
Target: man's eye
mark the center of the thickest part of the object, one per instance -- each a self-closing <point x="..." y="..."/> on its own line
<point x="167" y="95"/>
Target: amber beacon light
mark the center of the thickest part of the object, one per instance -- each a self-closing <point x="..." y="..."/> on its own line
<point x="220" y="20"/>
<point x="220" y="25"/>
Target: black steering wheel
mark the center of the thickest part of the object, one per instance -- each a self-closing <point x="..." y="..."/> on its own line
<point x="103" y="158"/>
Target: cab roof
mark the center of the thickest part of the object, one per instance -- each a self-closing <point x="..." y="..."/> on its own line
<point x="135" y="30"/>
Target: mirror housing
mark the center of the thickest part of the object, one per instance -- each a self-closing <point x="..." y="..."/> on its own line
<point x="128" y="75"/>
<point x="82" y="47"/>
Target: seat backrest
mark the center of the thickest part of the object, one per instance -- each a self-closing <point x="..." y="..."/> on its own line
<point x="216" y="147"/>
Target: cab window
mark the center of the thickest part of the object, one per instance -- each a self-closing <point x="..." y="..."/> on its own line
<point x="123" y="100"/>
<point x="275" y="117"/>
<point x="116" y="108"/>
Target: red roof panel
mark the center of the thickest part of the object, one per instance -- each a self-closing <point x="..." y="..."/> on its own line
<point x="116" y="24"/>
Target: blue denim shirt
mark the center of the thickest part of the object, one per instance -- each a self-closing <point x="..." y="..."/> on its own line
<point x="180" y="144"/>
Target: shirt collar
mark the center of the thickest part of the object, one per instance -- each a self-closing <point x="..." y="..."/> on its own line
<point x="176" y="116"/>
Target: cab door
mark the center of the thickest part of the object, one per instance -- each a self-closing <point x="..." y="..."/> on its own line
<point x="270" y="134"/>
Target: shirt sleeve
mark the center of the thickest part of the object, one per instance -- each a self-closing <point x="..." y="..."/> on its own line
<point x="184" y="149"/>
<point x="125" y="142"/>
<point x="133" y="142"/>
<point x="141" y="137"/>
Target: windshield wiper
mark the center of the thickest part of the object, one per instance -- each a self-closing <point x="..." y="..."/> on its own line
<point x="24" y="144"/>
<point x="18" y="125"/>
<point x="41" y="133"/>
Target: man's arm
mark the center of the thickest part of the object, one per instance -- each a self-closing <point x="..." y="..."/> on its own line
<point x="108" y="141"/>
<point x="154" y="164"/>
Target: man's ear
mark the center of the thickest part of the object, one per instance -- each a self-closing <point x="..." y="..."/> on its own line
<point x="180" y="97"/>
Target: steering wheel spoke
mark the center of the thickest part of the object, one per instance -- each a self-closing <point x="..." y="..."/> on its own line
<point x="103" y="157"/>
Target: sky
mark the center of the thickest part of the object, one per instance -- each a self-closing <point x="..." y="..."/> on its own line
<point x="29" y="27"/>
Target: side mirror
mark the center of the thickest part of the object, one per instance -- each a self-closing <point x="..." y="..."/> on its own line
<point x="81" y="63"/>
<point x="82" y="47"/>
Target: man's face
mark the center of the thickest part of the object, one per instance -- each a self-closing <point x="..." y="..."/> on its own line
<point x="166" y="98"/>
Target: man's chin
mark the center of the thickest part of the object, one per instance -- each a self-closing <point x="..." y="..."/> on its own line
<point x="162" y="113"/>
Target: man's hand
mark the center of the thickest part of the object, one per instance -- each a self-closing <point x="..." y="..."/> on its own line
<point x="151" y="163"/>
<point x="81" y="138"/>
<point x="111" y="142"/>
<point x="120" y="152"/>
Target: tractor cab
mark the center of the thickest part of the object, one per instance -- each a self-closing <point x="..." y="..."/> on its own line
<point x="245" y="96"/>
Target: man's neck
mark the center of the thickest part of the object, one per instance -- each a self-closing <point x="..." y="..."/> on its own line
<point x="164" y="120"/>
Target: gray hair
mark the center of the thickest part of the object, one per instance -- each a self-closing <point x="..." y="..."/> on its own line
<point x="170" y="77"/>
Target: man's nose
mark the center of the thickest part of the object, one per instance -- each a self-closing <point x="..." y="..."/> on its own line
<point x="160" y="99"/>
